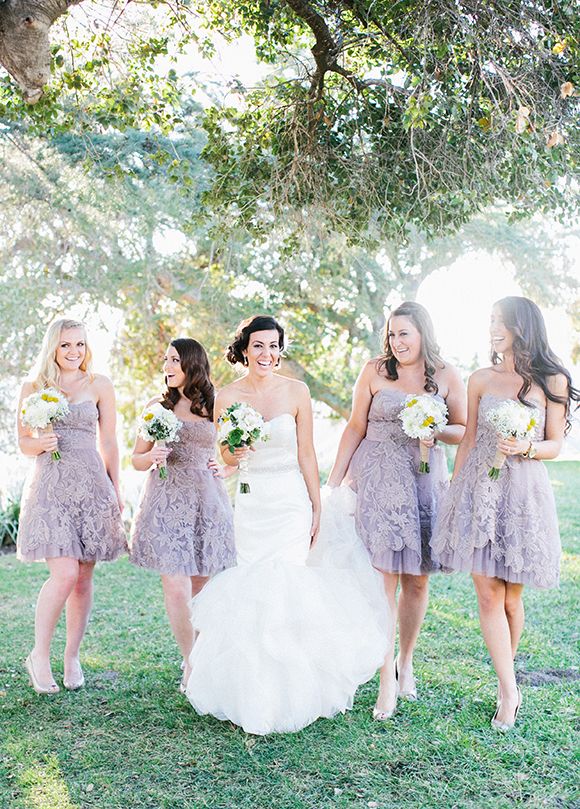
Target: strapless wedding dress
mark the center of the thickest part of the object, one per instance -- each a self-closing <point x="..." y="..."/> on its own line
<point x="287" y="636"/>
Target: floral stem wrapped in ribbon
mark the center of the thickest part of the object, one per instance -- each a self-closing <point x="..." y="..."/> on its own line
<point x="241" y="426"/>
<point x="421" y="417"/>
<point x="510" y="419"/>
<point x="160" y="425"/>
<point x="40" y="409"/>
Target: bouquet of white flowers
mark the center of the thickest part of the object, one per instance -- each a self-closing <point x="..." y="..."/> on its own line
<point x="421" y="416"/>
<point x="241" y="426"/>
<point x="40" y="409"/>
<point x="161" y="425"/>
<point x="511" y="419"/>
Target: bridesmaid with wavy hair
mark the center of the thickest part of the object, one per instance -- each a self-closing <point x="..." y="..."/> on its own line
<point x="71" y="508"/>
<point x="183" y="527"/>
<point x="505" y="531"/>
<point x="396" y="505"/>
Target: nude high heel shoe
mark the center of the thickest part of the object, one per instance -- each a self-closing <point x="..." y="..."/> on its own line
<point x="40" y="689"/>
<point x="505" y="726"/>
<point x="74" y="685"/>
<point x="411" y="693"/>
<point x="380" y="715"/>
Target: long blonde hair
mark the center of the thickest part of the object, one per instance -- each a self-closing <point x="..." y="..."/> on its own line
<point x="46" y="372"/>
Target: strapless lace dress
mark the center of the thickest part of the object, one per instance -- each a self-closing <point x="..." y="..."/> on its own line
<point x="69" y="507"/>
<point x="396" y="504"/>
<point x="505" y="528"/>
<point x="184" y="525"/>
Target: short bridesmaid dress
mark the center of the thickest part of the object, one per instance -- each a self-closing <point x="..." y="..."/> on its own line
<point x="69" y="507"/>
<point x="184" y="524"/>
<point x="396" y="504"/>
<point x="505" y="528"/>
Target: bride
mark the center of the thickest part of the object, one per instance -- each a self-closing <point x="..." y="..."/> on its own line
<point x="286" y="636"/>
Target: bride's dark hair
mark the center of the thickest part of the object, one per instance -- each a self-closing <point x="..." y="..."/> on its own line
<point x="198" y="387"/>
<point x="534" y="360"/>
<point x="421" y="319"/>
<point x="235" y="351"/>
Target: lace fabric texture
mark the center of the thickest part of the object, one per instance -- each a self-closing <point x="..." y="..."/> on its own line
<point x="282" y="642"/>
<point x="396" y="504"/>
<point x="184" y="525"/>
<point x="69" y="507"/>
<point x="505" y="528"/>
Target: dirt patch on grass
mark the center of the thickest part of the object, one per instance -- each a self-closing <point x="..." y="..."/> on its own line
<point x="104" y="679"/>
<point x="547" y="677"/>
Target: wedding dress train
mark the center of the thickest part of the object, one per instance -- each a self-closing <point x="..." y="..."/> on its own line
<point x="287" y="636"/>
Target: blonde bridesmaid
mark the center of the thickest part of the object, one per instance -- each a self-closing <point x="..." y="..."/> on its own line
<point x="71" y="508"/>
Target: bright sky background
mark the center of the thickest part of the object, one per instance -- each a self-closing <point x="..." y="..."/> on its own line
<point x="460" y="298"/>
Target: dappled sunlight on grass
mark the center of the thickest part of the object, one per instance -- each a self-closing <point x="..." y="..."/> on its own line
<point x="570" y="564"/>
<point x="43" y="785"/>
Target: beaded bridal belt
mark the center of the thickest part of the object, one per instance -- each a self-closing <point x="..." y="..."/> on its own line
<point x="274" y="470"/>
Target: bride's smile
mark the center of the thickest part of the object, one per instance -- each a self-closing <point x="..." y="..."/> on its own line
<point x="263" y="352"/>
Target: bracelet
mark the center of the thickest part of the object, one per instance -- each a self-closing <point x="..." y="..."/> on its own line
<point x="531" y="451"/>
<point x="525" y="454"/>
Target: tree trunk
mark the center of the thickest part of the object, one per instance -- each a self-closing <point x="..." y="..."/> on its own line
<point x="25" y="41"/>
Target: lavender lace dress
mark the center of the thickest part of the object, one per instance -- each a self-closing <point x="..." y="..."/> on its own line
<point x="505" y="528"/>
<point x="184" y="525"/>
<point x="396" y="504"/>
<point x="69" y="507"/>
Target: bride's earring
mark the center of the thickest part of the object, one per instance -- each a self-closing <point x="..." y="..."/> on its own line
<point x="245" y="360"/>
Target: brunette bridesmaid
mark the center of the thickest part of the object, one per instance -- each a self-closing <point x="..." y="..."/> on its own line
<point x="71" y="508"/>
<point x="183" y="527"/>
<point x="505" y="531"/>
<point x="396" y="504"/>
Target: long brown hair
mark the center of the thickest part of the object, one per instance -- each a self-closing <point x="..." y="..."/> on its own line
<point x="534" y="360"/>
<point x="421" y="319"/>
<point x="198" y="387"/>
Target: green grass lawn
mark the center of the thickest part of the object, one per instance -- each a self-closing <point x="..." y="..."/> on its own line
<point x="129" y="739"/>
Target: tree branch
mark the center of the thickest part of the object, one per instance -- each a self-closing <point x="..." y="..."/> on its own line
<point x="325" y="50"/>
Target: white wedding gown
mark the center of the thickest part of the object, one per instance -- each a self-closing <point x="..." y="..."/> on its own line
<point x="287" y="636"/>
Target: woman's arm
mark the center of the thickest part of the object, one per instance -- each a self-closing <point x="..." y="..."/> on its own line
<point x="108" y="447"/>
<point x="145" y="453"/>
<point x="456" y="402"/>
<point x="28" y="443"/>
<point x="356" y="427"/>
<point x="307" y="454"/>
<point x="474" y="389"/>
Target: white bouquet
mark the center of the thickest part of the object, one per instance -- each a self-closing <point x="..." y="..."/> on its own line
<point x="40" y="409"/>
<point x="241" y="426"/>
<point x="421" y="416"/>
<point x="161" y="425"/>
<point x="511" y="419"/>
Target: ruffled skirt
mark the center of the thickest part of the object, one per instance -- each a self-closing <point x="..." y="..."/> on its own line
<point x="282" y="644"/>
